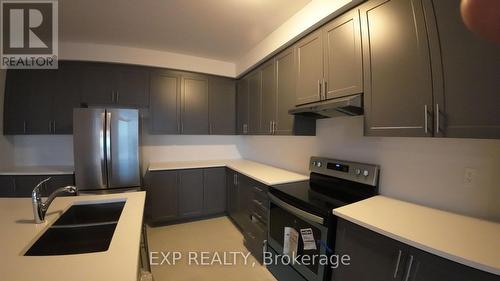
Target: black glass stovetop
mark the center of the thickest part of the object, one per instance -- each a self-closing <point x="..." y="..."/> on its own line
<point x="321" y="194"/>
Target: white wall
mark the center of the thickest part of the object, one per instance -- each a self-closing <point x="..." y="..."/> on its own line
<point x="6" y="143"/>
<point x="428" y="171"/>
<point x="138" y="56"/>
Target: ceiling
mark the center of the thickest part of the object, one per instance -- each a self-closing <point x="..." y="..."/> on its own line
<point x="218" y="29"/>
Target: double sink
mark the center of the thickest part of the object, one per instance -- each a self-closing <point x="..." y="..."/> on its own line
<point x="83" y="228"/>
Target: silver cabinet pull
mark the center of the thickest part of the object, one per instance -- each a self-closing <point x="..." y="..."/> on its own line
<point x="24" y="127"/>
<point x="409" y="268"/>
<point x="50" y="127"/>
<point x="397" y="264"/>
<point x="274" y="127"/>
<point x="270" y="127"/>
<point x="426" y="121"/>
<point x="437" y="118"/>
<point x="54" y="127"/>
<point x="117" y="96"/>
<point x="324" y="89"/>
<point x="319" y="89"/>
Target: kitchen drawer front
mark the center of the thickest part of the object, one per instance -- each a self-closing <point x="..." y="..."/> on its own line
<point x="255" y="235"/>
<point x="259" y="191"/>
<point x="260" y="210"/>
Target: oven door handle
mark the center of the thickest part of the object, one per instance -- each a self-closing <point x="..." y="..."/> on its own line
<point x="296" y="211"/>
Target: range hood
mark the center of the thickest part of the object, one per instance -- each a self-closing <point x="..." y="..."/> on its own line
<point x="345" y="106"/>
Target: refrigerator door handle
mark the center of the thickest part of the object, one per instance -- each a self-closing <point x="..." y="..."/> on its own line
<point x="108" y="145"/>
<point x="103" y="149"/>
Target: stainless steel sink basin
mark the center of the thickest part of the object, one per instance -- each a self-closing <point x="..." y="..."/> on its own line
<point x="83" y="228"/>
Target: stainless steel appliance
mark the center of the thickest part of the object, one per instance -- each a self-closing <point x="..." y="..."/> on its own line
<point x="106" y="148"/>
<point x="307" y="206"/>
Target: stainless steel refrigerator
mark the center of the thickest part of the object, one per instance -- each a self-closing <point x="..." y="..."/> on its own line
<point x="106" y="149"/>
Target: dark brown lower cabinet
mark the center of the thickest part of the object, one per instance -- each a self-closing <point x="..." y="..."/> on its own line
<point x="190" y="193"/>
<point x="185" y="194"/>
<point x="22" y="186"/>
<point x="214" y="190"/>
<point x="374" y="257"/>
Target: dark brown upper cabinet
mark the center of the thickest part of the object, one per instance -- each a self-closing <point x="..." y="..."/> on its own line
<point x="194" y="100"/>
<point x="165" y="89"/>
<point x="242" y="106"/>
<point x="254" y="102"/>
<point x="466" y="80"/>
<point x="222" y="105"/>
<point x="41" y="101"/>
<point x="343" y="67"/>
<point x="397" y="69"/>
<point x="109" y="84"/>
<point x="285" y="91"/>
<point x="309" y="68"/>
<point x="269" y="99"/>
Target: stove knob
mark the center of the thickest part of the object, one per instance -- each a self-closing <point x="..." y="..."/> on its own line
<point x="318" y="165"/>
<point x="365" y="173"/>
<point x="314" y="163"/>
<point x="358" y="172"/>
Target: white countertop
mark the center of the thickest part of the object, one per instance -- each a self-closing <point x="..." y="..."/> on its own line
<point x="265" y="174"/>
<point x="466" y="240"/>
<point x="36" y="170"/>
<point x="18" y="232"/>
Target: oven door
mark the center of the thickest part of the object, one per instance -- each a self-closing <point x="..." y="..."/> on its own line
<point x="281" y="215"/>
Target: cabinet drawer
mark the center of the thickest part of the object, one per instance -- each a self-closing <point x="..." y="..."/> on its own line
<point x="259" y="210"/>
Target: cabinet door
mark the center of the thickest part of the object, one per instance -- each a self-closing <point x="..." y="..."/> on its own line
<point x="285" y="88"/>
<point x="397" y="74"/>
<point x="309" y="68"/>
<point x="232" y="191"/>
<point x="7" y="186"/>
<point x="373" y="257"/>
<point x="222" y="106"/>
<point x="98" y="84"/>
<point x="162" y="195"/>
<point x="17" y="92"/>
<point x="428" y="267"/>
<point x="190" y="193"/>
<point x="268" y="97"/>
<point x="214" y="190"/>
<point x="165" y="87"/>
<point x="254" y="102"/>
<point x="132" y="86"/>
<point x="242" y="106"/>
<point x="244" y="202"/>
<point x="43" y="84"/>
<point x="26" y="184"/>
<point x="66" y="97"/>
<point x="194" y="105"/>
<point x="343" y="62"/>
<point x="467" y="103"/>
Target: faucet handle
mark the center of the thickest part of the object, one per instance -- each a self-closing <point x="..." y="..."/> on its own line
<point x="36" y="190"/>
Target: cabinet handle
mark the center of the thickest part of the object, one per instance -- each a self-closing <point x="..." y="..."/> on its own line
<point x="409" y="268"/>
<point x="54" y="127"/>
<point x="117" y="96"/>
<point x="50" y="127"/>
<point x="324" y="89"/>
<point x="397" y="264"/>
<point x="24" y="126"/>
<point x="270" y="127"/>
<point x="258" y="189"/>
<point x="426" y="121"/>
<point x="319" y="90"/>
<point x="437" y="118"/>
<point x="274" y="127"/>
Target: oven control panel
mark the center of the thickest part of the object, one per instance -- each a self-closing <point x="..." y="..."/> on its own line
<point x="353" y="171"/>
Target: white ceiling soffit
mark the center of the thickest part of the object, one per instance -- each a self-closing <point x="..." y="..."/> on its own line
<point x="223" y="37"/>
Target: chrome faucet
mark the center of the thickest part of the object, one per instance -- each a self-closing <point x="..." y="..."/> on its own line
<point x="39" y="207"/>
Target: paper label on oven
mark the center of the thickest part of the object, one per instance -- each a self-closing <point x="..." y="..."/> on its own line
<point x="308" y="238"/>
<point x="290" y="242"/>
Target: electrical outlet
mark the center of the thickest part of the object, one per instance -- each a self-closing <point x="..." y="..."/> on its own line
<point x="470" y="177"/>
